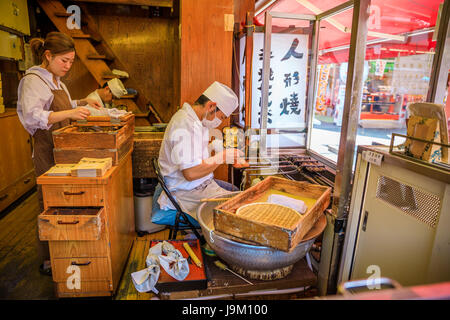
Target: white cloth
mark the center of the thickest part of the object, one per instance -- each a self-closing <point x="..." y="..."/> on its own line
<point x="106" y="112"/>
<point x="170" y="259"/>
<point x="35" y="98"/>
<point x="297" y="205"/>
<point x="223" y="96"/>
<point x="163" y="254"/>
<point x="146" y="279"/>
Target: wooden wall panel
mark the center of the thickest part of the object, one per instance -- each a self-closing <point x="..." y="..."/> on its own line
<point x="79" y="80"/>
<point x="206" y="51"/>
<point x="240" y="9"/>
<point x="149" y="48"/>
<point x="206" y="48"/>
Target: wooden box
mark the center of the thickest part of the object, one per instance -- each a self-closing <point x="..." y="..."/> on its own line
<point x="316" y="197"/>
<point x="146" y="147"/>
<point x="74" y="155"/>
<point x="110" y="137"/>
<point x="60" y="224"/>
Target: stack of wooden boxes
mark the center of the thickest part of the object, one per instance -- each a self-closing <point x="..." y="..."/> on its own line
<point x="146" y="147"/>
<point x="89" y="222"/>
<point x="99" y="137"/>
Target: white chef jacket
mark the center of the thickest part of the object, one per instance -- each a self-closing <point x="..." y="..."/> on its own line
<point x="185" y="145"/>
<point x="35" y="97"/>
<point x="95" y="96"/>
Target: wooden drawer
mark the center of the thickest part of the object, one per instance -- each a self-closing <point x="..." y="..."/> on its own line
<point x="14" y="191"/>
<point x="25" y="183"/>
<point x="85" y="289"/>
<point x="73" y="195"/>
<point x="79" y="249"/>
<point x="60" y="224"/>
<point x="7" y="196"/>
<point x="87" y="269"/>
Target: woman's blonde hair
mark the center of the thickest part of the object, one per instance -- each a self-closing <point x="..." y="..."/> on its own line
<point x="56" y="42"/>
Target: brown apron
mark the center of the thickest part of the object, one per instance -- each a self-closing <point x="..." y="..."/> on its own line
<point x="43" y="153"/>
<point x="43" y="142"/>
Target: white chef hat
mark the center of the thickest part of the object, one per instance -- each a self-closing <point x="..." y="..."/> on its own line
<point x="223" y="96"/>
<point x="117" y="88"/>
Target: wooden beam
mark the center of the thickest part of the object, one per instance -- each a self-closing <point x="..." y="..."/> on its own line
<point x="248" y="77"/>
<point x="150" y="3"/>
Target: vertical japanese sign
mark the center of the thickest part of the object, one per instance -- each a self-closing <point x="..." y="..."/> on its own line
<point x="287" y="80"/>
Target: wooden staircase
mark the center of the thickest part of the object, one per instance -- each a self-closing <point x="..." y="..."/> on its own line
<point x="97" y="56"/>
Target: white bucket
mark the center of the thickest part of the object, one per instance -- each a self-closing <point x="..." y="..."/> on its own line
<point x="143" y="215"/>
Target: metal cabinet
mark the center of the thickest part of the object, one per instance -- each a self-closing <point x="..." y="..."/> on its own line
<point x="10" y="46"/>
<point x="14" y="15"/>
<point x="398" y="222"/>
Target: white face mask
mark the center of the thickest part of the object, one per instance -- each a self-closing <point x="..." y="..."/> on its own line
<point x="210" y="124"/>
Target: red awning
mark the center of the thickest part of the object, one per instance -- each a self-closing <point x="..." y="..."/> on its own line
<point x="388" y="17"/>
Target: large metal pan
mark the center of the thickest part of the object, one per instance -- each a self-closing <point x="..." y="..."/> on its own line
<point x="252" y="257"/>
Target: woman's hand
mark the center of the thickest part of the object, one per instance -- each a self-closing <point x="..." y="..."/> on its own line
<point x="79" y="113"/>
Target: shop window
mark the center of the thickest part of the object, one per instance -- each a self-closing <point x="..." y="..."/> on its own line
<point x="399" y="63"/>
<point x="331" y="77"/>
<point x="399" y="55"/>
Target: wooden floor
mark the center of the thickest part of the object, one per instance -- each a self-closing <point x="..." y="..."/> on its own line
<point x="19" y="263"/>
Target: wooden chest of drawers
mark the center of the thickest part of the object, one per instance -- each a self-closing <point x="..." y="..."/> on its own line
<point x="16" y="167"/>
<point x="89" y="223"/>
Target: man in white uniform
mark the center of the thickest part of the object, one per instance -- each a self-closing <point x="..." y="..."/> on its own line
<point x="184" y="158"/>
<point x="104" y="95"/>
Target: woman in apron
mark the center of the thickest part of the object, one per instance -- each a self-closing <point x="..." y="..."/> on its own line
<point x="44" y="105"/>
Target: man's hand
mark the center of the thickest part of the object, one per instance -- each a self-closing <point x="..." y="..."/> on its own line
<point x="241" y="163"/>
<point x="229" y="156"/>
<point x="93" y="103"/>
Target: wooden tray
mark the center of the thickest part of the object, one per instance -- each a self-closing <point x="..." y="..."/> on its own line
<point x="268" y="231"/>
<point x="195" y="280"/>
<point x="128" y="119"/>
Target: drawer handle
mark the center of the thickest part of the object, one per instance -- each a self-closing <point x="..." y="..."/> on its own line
<point x="66" y="193"/>
<point x="3" y="197"/>
<point x="27" y="181"/>
<point x="63" y="222"/>
<point x="81" y="264"/>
